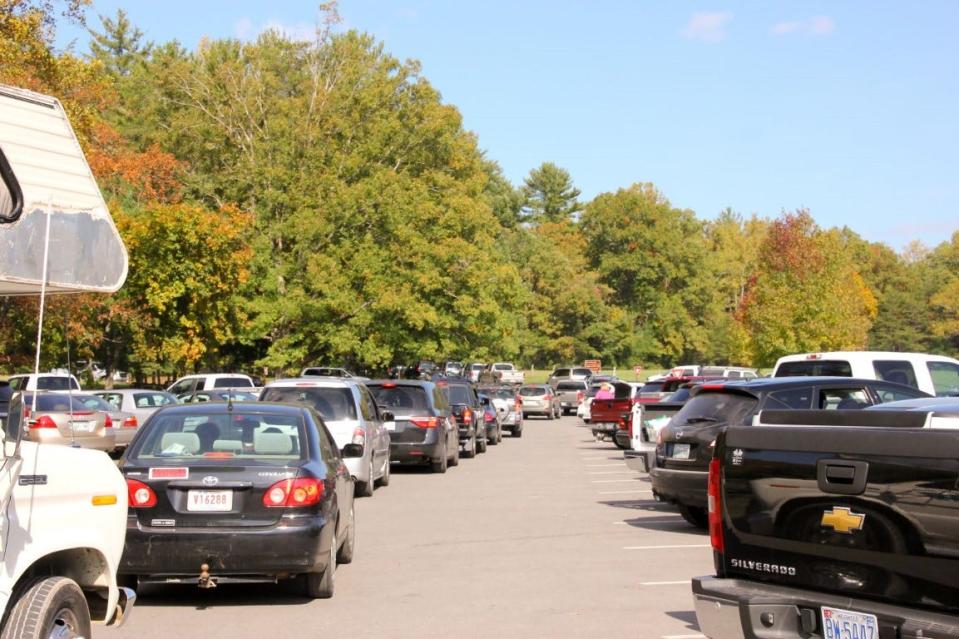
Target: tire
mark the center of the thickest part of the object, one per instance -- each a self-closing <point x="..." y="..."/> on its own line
<point x="43" y="605"/>
<point x="319" y="585"/>
<point x="525" y="415"/>
<point x="518" y="431"/>
<point x="366" y="488"/>
<point x="695" y="516"/>
<point x="385" y="479"/>
<point x="440" y="465"/>
<point x="455" y="459"/>
<point x="345" y="554"/>
<point x="481" y="443"/>
<point x="492" y="441"/>
<point x="470" y="452"/>
<point x="550" y="415"/>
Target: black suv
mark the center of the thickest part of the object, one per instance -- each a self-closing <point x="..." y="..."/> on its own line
<point x="468" y="412"/>
<point x="423" y="427"/>
<point x="685" y="445"/>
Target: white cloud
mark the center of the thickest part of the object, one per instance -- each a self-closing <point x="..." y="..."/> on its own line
<point x="707" y="26"/>
<point x="245" y="29"/>
<point x="816" y="25"/>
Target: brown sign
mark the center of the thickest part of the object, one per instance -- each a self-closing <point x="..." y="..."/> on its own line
<point x="595" y="365"/>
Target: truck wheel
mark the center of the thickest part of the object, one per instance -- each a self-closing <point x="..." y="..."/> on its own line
<point x="385" y="479"/>
<point x="455" y="459"/>
<point x="439" y="466"/>
<point x="517" y="431"/>
<point x="694" y="515"/>
<point x="481" y="444"/>
<point x="345" y="553"/>
<point x="49" y="607"/>
<point x="366" y="488"/>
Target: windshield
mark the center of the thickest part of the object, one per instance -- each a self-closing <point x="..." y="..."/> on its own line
<point x="56" y="383"/>
<point x="652" y="387"/>
<point x="503" y="367"/>
<point x="585" y="372"/>
<point x="56" y="403"/>
<point x="237" y="436"/>
<point x="571" y="386"/>
<point x="459" y="394"/>
<point x="92" y="402"/>
<point x="533" y="391"/>
<point x="561" y="372"/>
<point x="405" y="400"/>
<point x="945" y="378"/>
<point x="232" y="382"/>
<point x="728" y="408"/>
<point x="333" y="404"/>
<point x="153" y="400"/>
<point x="817" y="368"/>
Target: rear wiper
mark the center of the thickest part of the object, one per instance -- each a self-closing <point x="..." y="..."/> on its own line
<point x="699" y="420"/>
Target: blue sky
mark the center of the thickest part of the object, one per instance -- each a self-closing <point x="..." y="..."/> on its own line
<point x="850" y="109"/>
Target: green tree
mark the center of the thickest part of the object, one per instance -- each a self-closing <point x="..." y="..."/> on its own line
<point x="549" y="195"/>
<point x="120" y="46"/>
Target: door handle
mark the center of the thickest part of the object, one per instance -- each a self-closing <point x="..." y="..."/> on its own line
<point x="842" y="476"/>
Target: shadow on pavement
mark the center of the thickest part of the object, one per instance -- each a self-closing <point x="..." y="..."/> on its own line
<point x="650" y="505"/>
<point x="688" y="617"/>
<point x="226" y="595"/>
<point x="677" y="525"/>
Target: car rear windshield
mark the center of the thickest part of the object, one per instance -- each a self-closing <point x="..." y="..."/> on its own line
<point x="153" y="400"/>
<point x="726" y="408"/>
<point x="401" y="400"/>
<point x="226" y="438"/>
<point x="232" y="382"/>
<point x="459" y="394"/>
<point x="561" y="372"/>
<point x="533" y="391"/>
<point x="476" y="367"/>
<point x="503" y="367"/>
<point x="93" y="402"/>
<point x="55" y="403"/>
<point x="333" y="404"/>
<point x="570" y="386"/>
<point x="945" y="378"/>
<point x="56" y="383"/>
<point x="582" y="371"/>
<point x="816" y="368"/>
<point x="652" y="387"/>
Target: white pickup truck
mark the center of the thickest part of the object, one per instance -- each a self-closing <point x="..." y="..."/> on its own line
<point x="63" y="510"/>
<point x="505" y="373"/>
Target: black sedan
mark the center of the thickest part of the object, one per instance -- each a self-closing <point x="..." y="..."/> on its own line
<point x="246" y="492"/>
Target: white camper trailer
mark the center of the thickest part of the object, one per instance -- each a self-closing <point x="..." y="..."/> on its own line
<point x="63" y="510"/>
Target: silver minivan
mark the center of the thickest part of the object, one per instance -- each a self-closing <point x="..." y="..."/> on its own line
<point x="352" y="417"/>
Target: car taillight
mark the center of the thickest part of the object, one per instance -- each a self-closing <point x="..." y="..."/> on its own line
<point x="139" y="495"/>
<point x="107" y="422"/>
<point x="425" y="422"/>
<point x="44" y="421"/>
<point x="130" y="422"/>
<point x="579" y="397"/>
<point x="467" y="415"/>
<point x="713" y="492"/>
<point x="518" y="402"/>
<point x="293" y="493"/>
<point x="488" y="417"/>
<point x="548" y="398"/>
<point x="359" y="436"/>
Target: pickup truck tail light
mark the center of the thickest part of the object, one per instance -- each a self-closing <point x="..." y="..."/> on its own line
<point x="425" y="422"/>
<point x="714" y="493"/>
<point x="293" y="493"/>
<point x="580" y="397"/>
<point x="467" y="416"/>
<point x="139" y="495"/>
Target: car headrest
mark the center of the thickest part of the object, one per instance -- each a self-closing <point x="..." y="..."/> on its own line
<point x="272" y="444"/>
<point x="180" y="443"/>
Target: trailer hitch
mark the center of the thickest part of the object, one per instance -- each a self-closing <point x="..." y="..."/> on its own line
<point x="205" y="580"/>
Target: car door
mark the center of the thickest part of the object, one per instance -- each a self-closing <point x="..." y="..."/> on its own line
<point x="11" y="464"/>
<point x="336" y="471"/>
<point x="379" y="438"/>
<point x="442" y="407"/>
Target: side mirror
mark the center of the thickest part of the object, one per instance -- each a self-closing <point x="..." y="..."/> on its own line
<point x="352" y="450"/>
<point x="387" y="416"/>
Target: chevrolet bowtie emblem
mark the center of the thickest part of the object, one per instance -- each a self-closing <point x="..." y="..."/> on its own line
<point x="842" y="520"/>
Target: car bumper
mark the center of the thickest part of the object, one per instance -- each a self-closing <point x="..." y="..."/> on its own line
<point x="622" y="438"/>
<point x="124" y="608"/>
<point x="733" y="608"/>
<point x="293" y="546"/>
<point x="683" y="486"/>
<point x="105" y="442"/>
<point x="512" y="418"/>
<point x="642" y="461"/>
<point x="603" y="427"/>
<point x="416" y="453"/>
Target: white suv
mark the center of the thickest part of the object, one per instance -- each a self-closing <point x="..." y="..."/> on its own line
<point x="209" y="381"/>
<point x="44" y="381"/>
<point x="352" y="417"/>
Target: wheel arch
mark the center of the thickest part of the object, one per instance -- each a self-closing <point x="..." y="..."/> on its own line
<point x="88" y="567"/>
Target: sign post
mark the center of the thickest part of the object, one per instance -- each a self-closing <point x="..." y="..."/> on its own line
<point x="637" y="371"/>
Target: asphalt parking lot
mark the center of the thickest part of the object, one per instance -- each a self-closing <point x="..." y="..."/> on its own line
<point x="549" y="535"/>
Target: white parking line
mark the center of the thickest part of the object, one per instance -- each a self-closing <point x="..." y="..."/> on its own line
<point x="664" y="583"/>
<point x="666" y="547"/>
<point x="618" y="465"/>
<point x="609" y="472"/>
<point x="651" y="520"/>
<point x="684" y="636"/>
<point x="613" y="481"/>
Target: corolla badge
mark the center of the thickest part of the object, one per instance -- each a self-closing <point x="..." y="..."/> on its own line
<point x="210" y="480"/>
<point x="842" y="520"/>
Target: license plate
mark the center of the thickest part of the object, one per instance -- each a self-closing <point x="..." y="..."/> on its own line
<point x="390" y="425"/>
<point x="84" y="427"/>
<point x="209" y="501"/>
<point x="680" y="451"/>
<point x="846" y="624"/>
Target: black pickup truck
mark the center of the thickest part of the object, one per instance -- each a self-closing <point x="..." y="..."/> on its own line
<point x="833" y="525"/>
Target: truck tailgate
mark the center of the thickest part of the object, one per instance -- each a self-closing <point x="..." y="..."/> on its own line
<point x="857" y="511"/>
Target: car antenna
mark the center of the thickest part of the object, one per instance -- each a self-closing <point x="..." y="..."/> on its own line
<point x="229" y="400"/>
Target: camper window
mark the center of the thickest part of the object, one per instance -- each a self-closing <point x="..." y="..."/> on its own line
<point x="11" y="198"/>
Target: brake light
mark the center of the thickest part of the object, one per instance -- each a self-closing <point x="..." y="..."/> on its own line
<point x="107" y="422"/>
<point x="139" y="495"/>
<point x="388" y="385"/>
<point x="579" y="397"/>
<point x="359" y="436"/>
<point x="293" y="493"/>
<point x="130" y="422"/>
<point x="425" y="422"/>
<point x="44" y="421"/>
<point x="488" y="417"/>
<point x="518" y="402"/>
<point x="467" y="415"/>
<point x="713" y="386"/>
<point x="713" y="491"/>
<point x="549" y="398"/>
